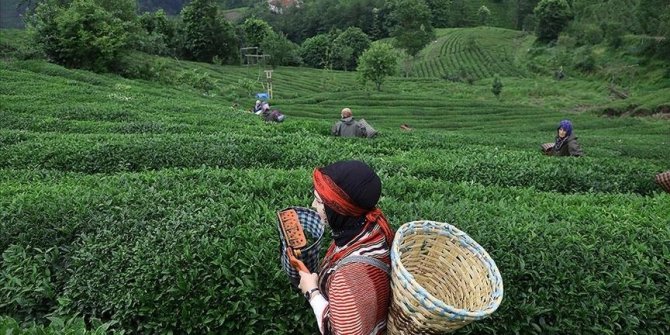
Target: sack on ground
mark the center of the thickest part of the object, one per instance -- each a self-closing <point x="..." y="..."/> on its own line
<point x="369" y="131"/>
<point x="275" y="116"/>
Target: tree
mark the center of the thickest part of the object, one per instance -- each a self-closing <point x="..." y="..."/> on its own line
<point x="552" y="17"/>
<point x="484" y="15"/>
<point x="663" y="50"/>
<point x="352" y="41"/>
<point x="81" y="35"/>
<point x="377" y="63"/>
<point x="649" y="14"/>
<point x="439" y="12"/>
<point x="158" y="34"/>
<point x="522" y="10"/>
<point x="281" y="50"/>
<point x="255" y="31"/>
<point x="340" y="56"/>
<point x="413" y="29"/>
<point x="459" y="16"/>
<point x="314" y="51"/>
<point x="207" y="34"/>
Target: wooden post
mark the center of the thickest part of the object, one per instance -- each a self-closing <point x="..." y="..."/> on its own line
<point x="268" y="77"/>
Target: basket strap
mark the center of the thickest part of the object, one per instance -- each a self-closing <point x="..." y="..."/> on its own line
<point x="364" y="259"/>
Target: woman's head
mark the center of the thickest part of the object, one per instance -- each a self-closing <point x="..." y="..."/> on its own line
<point x="343" y="193"/>
<point x="564" y="128"/>
<point x="346" y="112"/>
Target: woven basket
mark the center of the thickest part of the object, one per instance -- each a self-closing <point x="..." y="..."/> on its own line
<point x="313" y="228"/>
<point x="441" y="280"/>
<point x="546" y="147"/>
<point x="663" y="179"/>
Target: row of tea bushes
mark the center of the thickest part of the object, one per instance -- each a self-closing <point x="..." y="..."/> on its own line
<point x="57" y="326"/>
<point x="448" y="160"/>
<point x="195" y="251"/>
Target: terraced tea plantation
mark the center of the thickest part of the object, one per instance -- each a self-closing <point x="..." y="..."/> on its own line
<point x="150" y="205"/>
<point x="475" y="51"/>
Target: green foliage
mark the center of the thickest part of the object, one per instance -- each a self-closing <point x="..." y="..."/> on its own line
<point x="281" y="50"/>
<point x="198" y="80"/>
<point x="81" y="35"/>
<point x="17" y="44"/>
<point x="58" y="326"/>
<point x="552" y="17"/>
<point x="26" y="288"/>
<point x="243" y="88"/>
<point x="377" y="63"/>
<point x="354" y="39"/>
<point x="207" y="34"/>
<point x="586" y="33"/>
<point x="314" y="51"/>
<point x="439" y="11"/>
<point x="152" y="204"/>
<point x="471" y="54"/>
<point x="159" y="34"/>
<point x="584" y="60"/>
<point x="413" y="29"/>
<point x="497" y="86"/>
<point x="484" y="15"/>
<point x="650" y="14"/>
<point x="255" y="31"/>
<point x="459" y="14"/>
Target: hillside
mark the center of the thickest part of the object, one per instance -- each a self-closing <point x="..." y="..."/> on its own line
<point x="480" y="52"/>
<point x="152" y="202"/>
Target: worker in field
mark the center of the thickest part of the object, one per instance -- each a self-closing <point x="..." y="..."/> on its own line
<point x="351" y="293"/>
<point x="258" y="107"/>
<point x="347" y="126"/>
<point x="566" y="142"/>
<point x="271" y="114"/>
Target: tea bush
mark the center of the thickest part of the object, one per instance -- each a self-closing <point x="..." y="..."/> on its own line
<point x="163" y="245"/>
<point x="151" y="207"/>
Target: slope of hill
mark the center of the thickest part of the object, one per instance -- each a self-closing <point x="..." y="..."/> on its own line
<point x="478" y="52"/>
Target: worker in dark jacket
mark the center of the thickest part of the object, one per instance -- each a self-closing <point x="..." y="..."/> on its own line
<point x="566" y="142"/>
<point x="347" y="126"/>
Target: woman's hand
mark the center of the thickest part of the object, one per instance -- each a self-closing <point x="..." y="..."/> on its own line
<point x="308" y="281"/>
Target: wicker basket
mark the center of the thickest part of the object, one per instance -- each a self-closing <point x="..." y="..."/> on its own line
<point x="313" y="228"/>
<point x="441" y="280"/>
<point x="546" y="147"/>
<point x="663" y="179"/>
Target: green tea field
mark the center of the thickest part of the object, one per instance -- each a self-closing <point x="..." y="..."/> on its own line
<point x="150" y="205"/>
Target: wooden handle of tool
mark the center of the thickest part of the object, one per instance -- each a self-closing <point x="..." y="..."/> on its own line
<point x="295" y="262"/>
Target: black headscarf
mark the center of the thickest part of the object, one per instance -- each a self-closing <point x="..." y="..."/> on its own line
<point x="364" y="188"/>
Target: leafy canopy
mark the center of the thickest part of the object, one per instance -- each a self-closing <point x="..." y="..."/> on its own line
<point x="377" y="63"/>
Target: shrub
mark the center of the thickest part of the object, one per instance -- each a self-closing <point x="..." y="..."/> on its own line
<point x="81" y="35"/>
<point x="26" y="288"/>
<point x="584" y="60"/>
<point x="497" y="86"/>
<point x="58" y="326"/>
<point x="207" y="34"/>
<point x="484" y="15"/>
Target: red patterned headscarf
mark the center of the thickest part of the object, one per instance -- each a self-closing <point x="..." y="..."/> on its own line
<point x="350" y="191"/>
